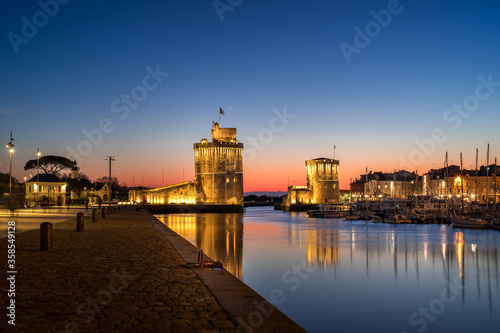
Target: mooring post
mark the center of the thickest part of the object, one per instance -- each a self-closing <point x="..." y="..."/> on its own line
<point x="46" y="237"/>
<point x="200" y="258"/>
<point x="109" y="210"/>
<point x="94" y="215"/>
<point x="103" y="213"/>
<point x="80" y="220"/>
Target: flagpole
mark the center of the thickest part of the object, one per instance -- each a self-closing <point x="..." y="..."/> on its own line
<point x="219" y="114"/>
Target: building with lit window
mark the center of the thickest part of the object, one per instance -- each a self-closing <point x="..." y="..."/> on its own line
<point x="45" y="189"/>
<point x="322" y="185"/>
<point x="380" y="185"/>
<point x="218" y="175"/>
<point x="452" y="182"/>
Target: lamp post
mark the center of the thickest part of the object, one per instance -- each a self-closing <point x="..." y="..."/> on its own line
<point x="11" y="150"/>
<point x="110" y="158"/>
<point x="37" y="173"/>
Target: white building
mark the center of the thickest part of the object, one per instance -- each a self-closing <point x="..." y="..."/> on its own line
<point x="45" y="189"/>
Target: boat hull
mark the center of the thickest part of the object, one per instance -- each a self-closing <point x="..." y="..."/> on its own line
<point x="471" y="223"/>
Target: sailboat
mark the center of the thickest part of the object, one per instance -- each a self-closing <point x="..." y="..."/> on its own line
<point x="471" y="221"/>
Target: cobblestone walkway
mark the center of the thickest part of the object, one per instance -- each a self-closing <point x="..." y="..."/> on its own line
<point x="118" y="275"/>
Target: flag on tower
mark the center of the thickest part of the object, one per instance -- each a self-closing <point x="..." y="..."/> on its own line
<point x="221" y="111"/>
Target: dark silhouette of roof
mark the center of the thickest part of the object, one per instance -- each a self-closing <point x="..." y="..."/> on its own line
<point x="98" y="186"/>
<point x="46" y="178"/>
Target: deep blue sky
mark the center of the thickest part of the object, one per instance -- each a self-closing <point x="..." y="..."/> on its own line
<point x="264" y="55"/>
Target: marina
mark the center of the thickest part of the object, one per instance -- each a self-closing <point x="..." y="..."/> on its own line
<point x="334" y="270"/>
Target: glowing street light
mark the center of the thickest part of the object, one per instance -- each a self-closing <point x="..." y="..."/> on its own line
<point x="37" y="172"/>
<point x="10" y="145"/>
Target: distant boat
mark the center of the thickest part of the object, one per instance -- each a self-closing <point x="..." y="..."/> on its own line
<point x="352" y="216"/>
<point x="496" y="224"/>
<point x="397" y="219"/>
<point x="472" y="223"/>
<point x="329" y="210"/>
<point x="377" y="218"/>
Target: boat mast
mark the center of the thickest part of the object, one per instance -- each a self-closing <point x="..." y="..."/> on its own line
<point x="462" y="182"/>
<point x="366" y="181"/>
<point x="446" y="177"/>
<point x="477" y="200"/>
<point x="487" y="175"/>
<point x="496" y="186"/>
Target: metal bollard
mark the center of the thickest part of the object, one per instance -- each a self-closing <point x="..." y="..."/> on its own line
<point x="137" y="208"/>
<point x="46" y="237"/>
<point x="103" y="214"/>
<point x="94" y="215"/>
<point x="80" y="221"/>
<point x="109" y="210"/>
<point x="113" y="209"/>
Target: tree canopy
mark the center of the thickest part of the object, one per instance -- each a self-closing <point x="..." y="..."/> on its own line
<point x="79" y="185"/>
<point x="50" y="164"/>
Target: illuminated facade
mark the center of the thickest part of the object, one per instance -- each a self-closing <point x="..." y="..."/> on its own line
<point x="46" y="189"/>
<point x="323" y="180"/>
<point x="449" y="182"/>
<point x="218" y="175"/>
<point x="395" y="185"/>
<point x="322" y="184"/>
<point x="218" y="167"/>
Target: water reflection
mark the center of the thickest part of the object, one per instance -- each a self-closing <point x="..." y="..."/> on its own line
<point x="360" y="263"/>
<point x="219" y="235"/>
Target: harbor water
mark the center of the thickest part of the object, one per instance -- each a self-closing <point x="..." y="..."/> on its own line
<point x="332" y="275"/>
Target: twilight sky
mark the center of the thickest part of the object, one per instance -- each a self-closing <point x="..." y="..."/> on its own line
<point x="391" y="84"/>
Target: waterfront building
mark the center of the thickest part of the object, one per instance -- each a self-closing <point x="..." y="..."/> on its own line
<point x="400" y="184"/>
<point x="322" y="184"/>
<point x="218" y="175"/>
<point x="45" y="189"/>
<point x="452" y="182"/>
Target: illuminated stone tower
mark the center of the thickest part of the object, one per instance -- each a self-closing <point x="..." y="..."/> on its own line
<point x="323" y="180"/>
<point x="218" y="167"/>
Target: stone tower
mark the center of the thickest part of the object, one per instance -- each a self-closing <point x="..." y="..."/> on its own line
<point x="323" y="180"/>
<point x="218" y="167"/>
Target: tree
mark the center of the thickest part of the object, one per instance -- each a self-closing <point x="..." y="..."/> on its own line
<point x="50" y="164"/>
<point x="78" y="185"/>
<point x="4" y="187"/>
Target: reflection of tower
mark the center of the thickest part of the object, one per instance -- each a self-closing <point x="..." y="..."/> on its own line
<point x="323" y="180"/>
<point x="219" y="235"/>
<point x="322" y="248"/>
<point x="221" y="238"/>
<point x="219" y="167"/>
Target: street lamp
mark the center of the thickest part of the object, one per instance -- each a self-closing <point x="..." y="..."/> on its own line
<point x="110" y="158"/>
<point x="11" y="150"/>
<point x="37" y="173"/>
